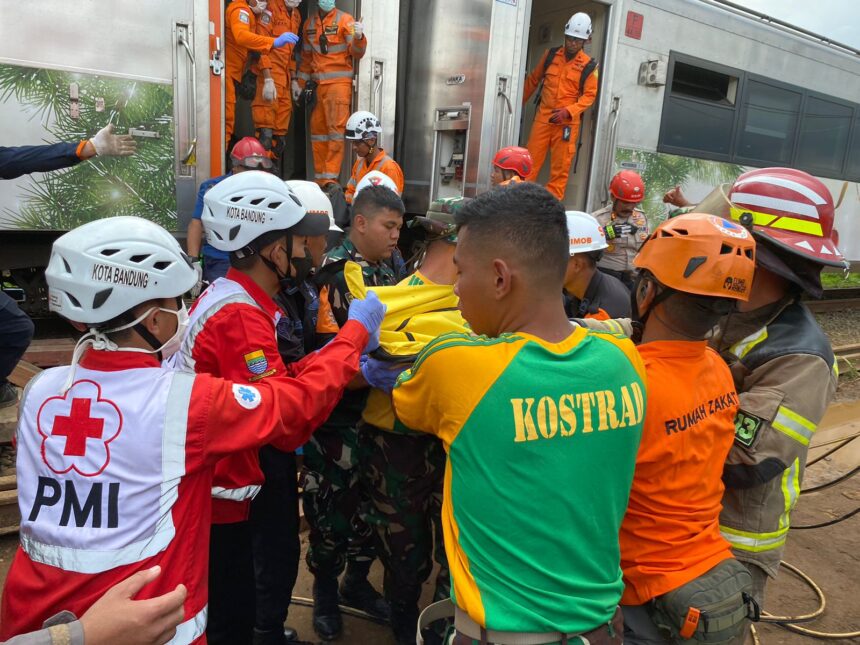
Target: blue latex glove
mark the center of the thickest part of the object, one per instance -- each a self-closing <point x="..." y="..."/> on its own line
<point x="286" y="38"/>
<point x="369" y="312"/>
<point x="382" y="374"/>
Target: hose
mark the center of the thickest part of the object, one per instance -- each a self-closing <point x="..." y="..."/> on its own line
<point x="845" y="441"/>
<point x="833" y="482"/>
<point x="830" y="522"/>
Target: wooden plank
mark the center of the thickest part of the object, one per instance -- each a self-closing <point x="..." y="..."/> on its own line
<point x="23" y="373"/>
<point x="9" y="514"/>
<point x="8" y="422"/>
<point x="7" y="482"/>
<point x="50" y="352"/>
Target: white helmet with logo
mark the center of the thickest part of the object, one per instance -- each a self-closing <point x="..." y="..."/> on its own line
<point x="579" y="26"/>
<point x="314" y="200"/>
<point x="375" y="178"/>
<point x="107" y="267"/>
<point x="363" y="125"/>
<point x="585" y="233"/>
<point x="247" y="205"/>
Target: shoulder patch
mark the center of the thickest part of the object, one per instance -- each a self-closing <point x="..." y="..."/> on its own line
<point x="746" y="428"/>
<point x="256" y="361"/>
<point x="244" y="16"/>
<point x="247" y="396"/>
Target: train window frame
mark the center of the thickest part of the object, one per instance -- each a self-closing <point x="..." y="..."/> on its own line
<point x="670" y="98"/>
<point x="738" y="115"/>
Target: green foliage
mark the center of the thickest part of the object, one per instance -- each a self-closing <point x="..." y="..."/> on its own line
<point x="142" y="185"/>
<point x="840" y="281"/>
<point x="663" y="172"/>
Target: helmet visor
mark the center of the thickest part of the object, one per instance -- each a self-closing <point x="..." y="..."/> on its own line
<point x="254" y="163"/>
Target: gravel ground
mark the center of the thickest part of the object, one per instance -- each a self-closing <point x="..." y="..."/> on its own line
<point x="843" y="327"/>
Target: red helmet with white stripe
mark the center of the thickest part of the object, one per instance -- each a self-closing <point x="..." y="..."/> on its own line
<point x="790" y="208"/>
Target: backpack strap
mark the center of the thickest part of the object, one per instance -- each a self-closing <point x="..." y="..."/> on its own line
<point x="590" y="66"/>
<point x="550" y="55"/>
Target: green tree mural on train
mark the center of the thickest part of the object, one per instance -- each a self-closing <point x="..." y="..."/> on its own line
<point x="142" y="185"/>
<point x="661" y="172"/>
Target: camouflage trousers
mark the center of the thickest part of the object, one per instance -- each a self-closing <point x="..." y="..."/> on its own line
<point x="403" y="476"/>
<point x="334" y="503"/>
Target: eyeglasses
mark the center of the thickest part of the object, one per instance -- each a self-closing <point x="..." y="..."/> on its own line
<point x="254" y="162"/>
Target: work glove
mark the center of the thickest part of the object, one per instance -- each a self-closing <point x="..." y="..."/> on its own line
<point x="297" y="91"/>
<point x="198" y="266"/>
<point x="286" y="38"/>
<point x="269" y="91"/>
<point x="382" y="374"/>
<point x="369" y="312"/>
<point x="561" y="115"/>
<point x="619" y="230"/>
<point x="108" y="144"/>
<point x="358" y="29"/>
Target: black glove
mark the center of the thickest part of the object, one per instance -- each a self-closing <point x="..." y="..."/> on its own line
<point x="620" y="230"/>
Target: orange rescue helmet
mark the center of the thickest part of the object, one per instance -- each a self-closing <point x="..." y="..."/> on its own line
<point x="790" y="208"/>
<point x="701" y="254"/>
<point x="250" y="153"/>
<point x="627" y="186"/>
<point x="514" y="158"/>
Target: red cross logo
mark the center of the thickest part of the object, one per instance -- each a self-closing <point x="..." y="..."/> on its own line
<point x="78" y="427"/>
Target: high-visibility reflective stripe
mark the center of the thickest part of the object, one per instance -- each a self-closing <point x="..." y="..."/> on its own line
<point x="303" y="76"/>
<point x="191" y="629"/>
<point x="327" y="137"/>
<point x="783" y="223"/>
<point x="793" y="425"/>
<point x="754" y="542"/>
<point x="325" y="76"/>
<point x="326" y="175"/>
<point x="790" y="492"/>
<point x="777" y="204"/>
<point x="746" y="345"/>
<point x="836" y="369"/>
<point x="235" y="494"/>
<point x="351" y="182"/>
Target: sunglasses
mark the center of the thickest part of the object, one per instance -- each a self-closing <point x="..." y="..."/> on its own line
<point x="255" y="162"/>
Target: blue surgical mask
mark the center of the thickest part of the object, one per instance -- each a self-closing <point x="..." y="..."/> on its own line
<point x="326" y="5"/>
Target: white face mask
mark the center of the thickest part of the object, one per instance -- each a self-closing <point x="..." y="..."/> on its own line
<point x="100" y="341"/>
<point x="260" y="7"/>
<point x="292" y="4"/>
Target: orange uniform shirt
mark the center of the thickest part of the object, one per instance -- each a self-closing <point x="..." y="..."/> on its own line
<point x="276" y="20"/>
<point x="561" y="86"/>
<point x="381" y="162"/>
<point x="670" y="534"/>
<point x="241" y="36"/>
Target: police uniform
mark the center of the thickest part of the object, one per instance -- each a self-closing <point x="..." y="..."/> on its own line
<point x="605" y="298"/>
<point x="618" y="257"/>
<point x="332" y="500"/>
<point x="786" y="375"/>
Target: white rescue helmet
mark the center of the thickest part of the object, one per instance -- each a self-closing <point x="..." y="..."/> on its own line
<point x="579" y="26"/>
<point x="314" y="200"/>
<point x="109" y="266"/>
<point x="247" y="205"/>
<point x="375" y="178"/>
<point x="584" y="233"/>
<point x="363" y="125"/>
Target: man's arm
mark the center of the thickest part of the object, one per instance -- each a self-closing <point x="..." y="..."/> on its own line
<point x="243" y="34"/>
<point x="23" y="160"/>
<point x="533" y="79"/>
<point x="357" y="45"/>
<point x="585" y="101"/>
<point x="781" y="405"/>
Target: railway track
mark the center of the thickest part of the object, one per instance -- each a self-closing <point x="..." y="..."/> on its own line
<point x="836" y="300"/>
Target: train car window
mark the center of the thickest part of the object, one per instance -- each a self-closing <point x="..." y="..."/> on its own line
<point x="824" y="130"/>
<point x="852" y="167"/>
<point x="704" y="84"/>
<point x="696" y="127"/>
<point x="768" y="123"/>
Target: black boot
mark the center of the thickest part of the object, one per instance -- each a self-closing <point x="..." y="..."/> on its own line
<point x="328" y="623"/>
<point x="356" y="591"/>
<point x="282" y="636"/>
<point x="265" y="137"/>
<point x="404" y="622"/>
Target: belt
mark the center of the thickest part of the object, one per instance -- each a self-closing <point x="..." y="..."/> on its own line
<point x="608" y="634"/>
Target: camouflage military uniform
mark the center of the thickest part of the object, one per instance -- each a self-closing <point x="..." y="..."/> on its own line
<point x="332" y="499"/>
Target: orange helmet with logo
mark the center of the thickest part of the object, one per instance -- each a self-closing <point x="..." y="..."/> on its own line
<point x="627" y="186"/>
<point x="514" y="158"/>
<point x="701" y="254"/>
<point x="790" y="208"/>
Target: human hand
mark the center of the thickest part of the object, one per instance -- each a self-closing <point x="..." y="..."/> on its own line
<point x="296" y="90"/>
<point x="108" y="144"/>
<point x="369" y="312"/>
<point x="286" y="38"/>
<point x="675" y="197"/>
<point x="358" y="28"/>
<point x="198" y="266"/>
<point x="561" y="115"/>
<point x="269" y="91"/>
<point x="382" y="374"/>
<point x="117" y="618"/>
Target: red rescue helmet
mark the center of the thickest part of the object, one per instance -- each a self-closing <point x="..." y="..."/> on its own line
<point x="790" y="208"/>
<point x="627" y="186"/>
<point x="514" y="158"/>
<point x="250" y="153"/>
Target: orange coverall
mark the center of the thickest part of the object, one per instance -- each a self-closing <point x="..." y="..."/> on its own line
<point x="381" y="162"/>
<point x="275" y="115"/>
<point x="560" y="90"/>
<point x="333" y="72"/>
<point x="240" y="23"/>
